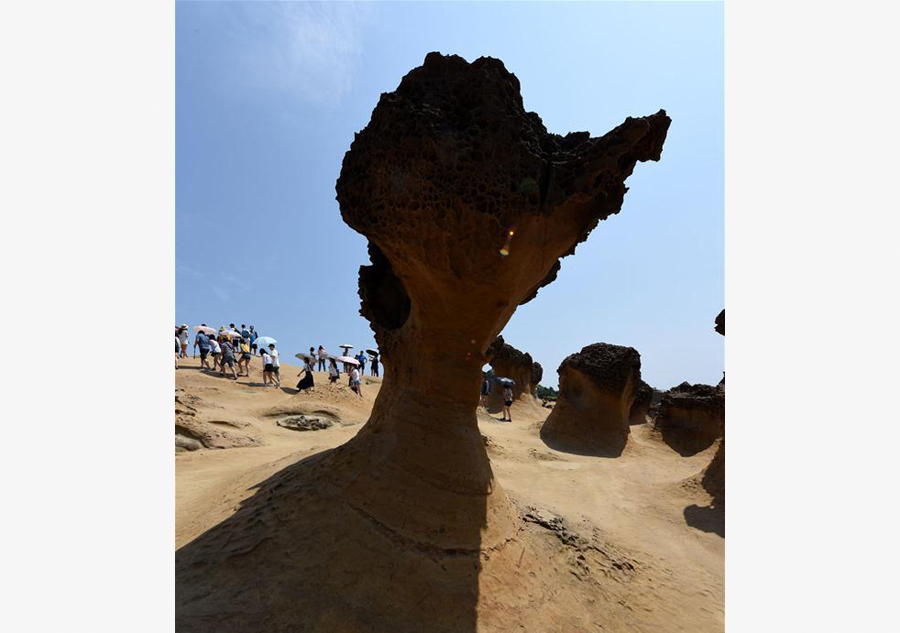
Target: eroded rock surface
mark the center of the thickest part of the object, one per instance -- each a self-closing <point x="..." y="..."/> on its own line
<point x="691" y="417"/>
<point x="304" y="423"/>
<point x="468" y="203"/>
<point x="509" y="362"/>
<point x="643" y="396"/>
<point x="597" y="387"/>
<point x="195" y="430"/>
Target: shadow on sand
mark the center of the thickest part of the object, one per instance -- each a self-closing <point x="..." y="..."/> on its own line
<point x="297" y="556"/>
<point x="706" y="519"/>
<point x="686" y="442"/>
<point x="590" y="447"/>
<point x="712" y="517"/>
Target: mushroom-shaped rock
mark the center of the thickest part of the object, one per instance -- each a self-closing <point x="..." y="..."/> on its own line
<point x="691" y="417"/>
<point x="467" y="202"/>
<point x="597" y="387"/>
<point x="508" y="362"/>
<point x="537" y="374"/>
<point x="643" y="396"/>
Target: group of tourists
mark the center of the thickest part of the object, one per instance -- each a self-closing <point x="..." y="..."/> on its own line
<point x="228" y="348"/>
<point x="326" y="362"/>
<point x="486" y="387"/>
<point x="229" y="351"/>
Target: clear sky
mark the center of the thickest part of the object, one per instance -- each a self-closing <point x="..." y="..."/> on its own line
<point x="268" y="98"/>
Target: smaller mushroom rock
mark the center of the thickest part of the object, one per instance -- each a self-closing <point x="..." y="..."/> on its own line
<point x="596" y="391"/>
<point x="695" y="412"/>
<point x="643" y="396"/>
<point x="537" y="373"/>
<point x="508" y="362"/>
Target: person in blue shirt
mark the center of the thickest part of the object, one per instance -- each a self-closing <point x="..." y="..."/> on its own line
<point x="253" y="337"/>
<point x="361" y="357"/>
<point x="202" y="342"/>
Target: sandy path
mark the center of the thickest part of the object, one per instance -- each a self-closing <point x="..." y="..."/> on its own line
<point x="637" y="501"/>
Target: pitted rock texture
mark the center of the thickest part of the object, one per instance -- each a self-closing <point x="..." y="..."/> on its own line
<point x="305" y="423"/>
<point x="509" y="362"/>
<point x="693" y="416"/>
<point x="643" y="396"/>
<point x="450" y="163"/>
<point x="597" y="388"/>
<point x="468" y="203"/>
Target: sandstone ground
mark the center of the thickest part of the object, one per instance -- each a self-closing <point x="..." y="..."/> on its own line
<point x="632" y="541"/>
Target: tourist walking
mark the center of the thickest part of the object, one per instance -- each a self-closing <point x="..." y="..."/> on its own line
<point x="253" y="337"/>
<point x="228" y="357"/>
<point x="485" y="389"/>
<point x="361" y="357"/>
<point x="507" y="403"/>
<point x="183" y="336"/>
<point x="201" y="341"/>
<point x="355" y="382"/>
<point x="375" y="365"/>
<point x="323" y="356"/>
<point x="307" y="381"/>
<point x="244" y="362"/>
<point x="214" y="350"/>
<point x="333" y="371"/>
<point x="267" y="366"/>
<point x="276" y="365"/>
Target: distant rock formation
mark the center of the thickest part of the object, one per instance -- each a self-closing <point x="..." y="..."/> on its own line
<point x="597" y="387"/>
<point x="720" y="328"/>
<point x="509" y="362"/>
<point x="468" y="203"/>
<point x="537" y="374"/>
<point x="643" y="396"/>
<point x="691" y="417"/>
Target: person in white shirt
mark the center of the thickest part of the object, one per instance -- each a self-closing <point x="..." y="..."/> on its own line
<point x="183" y="335"/>
<point x="355" y="382"/>
<point x="323" y="355"/>
<point x="267" y="366"/>
<point x="215" y="351"/>
<point x="276" y="372"/>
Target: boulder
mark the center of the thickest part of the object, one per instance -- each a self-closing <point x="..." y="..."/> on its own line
<point x="597" y="387"/>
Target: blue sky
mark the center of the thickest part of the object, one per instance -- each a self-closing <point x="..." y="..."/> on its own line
<point x="269" y="95"/>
